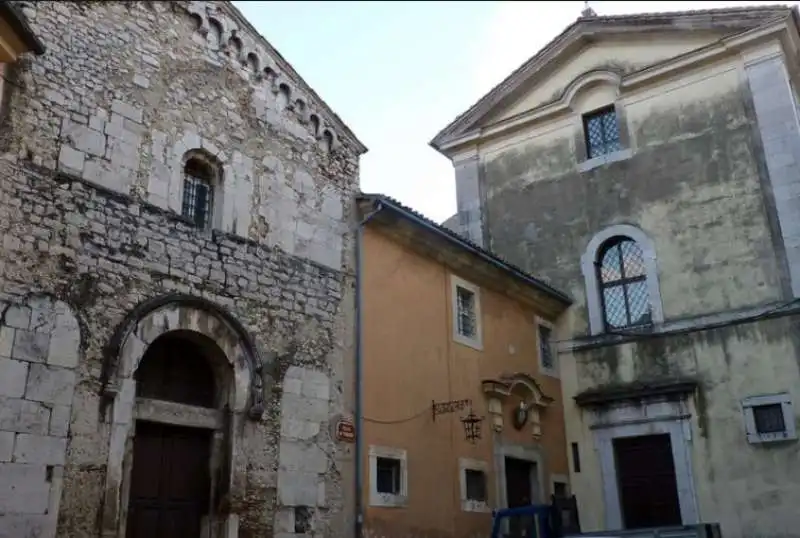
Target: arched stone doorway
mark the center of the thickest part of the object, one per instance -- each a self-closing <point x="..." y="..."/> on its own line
<point x="182" y="376"/>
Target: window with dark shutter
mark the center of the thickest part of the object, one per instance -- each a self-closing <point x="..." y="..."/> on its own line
<point x="476" y="485"/>
<point x="769" y="418"/>
<point x="388" y="475"/>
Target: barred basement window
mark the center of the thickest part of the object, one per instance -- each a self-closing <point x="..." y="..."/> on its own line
<point x="623" y="284"/>
<point x="198" y="192"/>
<point x="467" y="326"/>
<point x="602" y="132"/>
<point x="769" y="418"/>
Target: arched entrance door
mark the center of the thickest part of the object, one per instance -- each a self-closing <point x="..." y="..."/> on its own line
<point x="170" y="488"/>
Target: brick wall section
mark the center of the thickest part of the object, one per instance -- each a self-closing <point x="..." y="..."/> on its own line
<point x="90" y="179"/>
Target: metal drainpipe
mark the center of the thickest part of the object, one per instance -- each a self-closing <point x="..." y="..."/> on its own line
<point x="359" y="448"/>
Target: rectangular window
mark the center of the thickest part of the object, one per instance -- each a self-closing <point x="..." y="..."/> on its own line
<point x="546" y="355"/>
<point x="602" y="132"/>
<point x="197" y="201"/>
<point x="466" y="312"/>
<point x="576" y="458"/>
<point x="387" y="478"/>
<point x="476" y="485"/>
<point x="769" y="418"/>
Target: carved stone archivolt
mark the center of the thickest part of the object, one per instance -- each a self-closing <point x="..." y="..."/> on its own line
<point x="157" y="316"/>
<point x="527" y="396"/>
<point x="241" y="382"/>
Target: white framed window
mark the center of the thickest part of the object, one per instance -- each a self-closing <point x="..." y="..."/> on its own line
<point x="474" y="485"/>
<point x="548" y="359"/>
<point x="466" y="305"/>
<point x="769" y="418"/>
<point x="388" y="476"/>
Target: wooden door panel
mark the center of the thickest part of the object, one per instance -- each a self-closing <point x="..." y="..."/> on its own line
<point x="170" y="481"/>
<point x="648" y="487"/>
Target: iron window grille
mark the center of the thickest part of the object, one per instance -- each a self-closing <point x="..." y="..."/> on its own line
<point x="602" y="132"/>
<point x="465" y="304"/>
<point x="546" y="347"/>
<point x="476" y="485"/>
<point x="198" y="193"/>
<point x="769" y="418"/>
<point x="388" y="475"/>
<point x="623" y="284"/>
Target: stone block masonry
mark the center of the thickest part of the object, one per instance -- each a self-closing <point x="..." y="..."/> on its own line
<point x="36" y="390"/>
<point x="103" y="254"/>
<point x="97" y="264"/>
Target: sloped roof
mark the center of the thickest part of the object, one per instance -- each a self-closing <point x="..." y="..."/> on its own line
<point x="584" y="29"/>
<point x="461" y="242"/>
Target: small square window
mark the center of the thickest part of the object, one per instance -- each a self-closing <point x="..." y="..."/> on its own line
<point x="601" y="130"/>
<point x="547" y="359"/>
<point x="769" y="418"/>
<point x="466" y="312"/>
<point x="387" y="478"/>
<point x="476" y="485"/>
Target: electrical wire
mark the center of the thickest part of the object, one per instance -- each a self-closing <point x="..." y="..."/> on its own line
<point x="399" y="421"/>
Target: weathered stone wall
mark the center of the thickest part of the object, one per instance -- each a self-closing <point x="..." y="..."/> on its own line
<point x="39" y="350"/>
<point x="90" y="182"/>
<point x="750" y="490"/>
<point x="693" y="177"/>
<point x="695" y="165"/>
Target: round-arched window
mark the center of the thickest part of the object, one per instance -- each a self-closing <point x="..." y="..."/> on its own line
<point x="623" y="284"/>
<point x="198" y="191"/>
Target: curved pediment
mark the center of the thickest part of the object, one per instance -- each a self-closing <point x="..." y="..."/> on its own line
<point x="520" y="384"/>
<point x="630" y="45"/>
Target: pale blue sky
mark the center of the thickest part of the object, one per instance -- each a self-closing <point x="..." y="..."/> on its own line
<point x="399" y="71"/>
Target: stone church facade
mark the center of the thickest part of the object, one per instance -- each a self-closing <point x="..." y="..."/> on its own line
<point x="176" y="273"/>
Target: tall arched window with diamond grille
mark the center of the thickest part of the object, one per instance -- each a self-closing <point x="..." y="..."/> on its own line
<point x="623" y="284"/>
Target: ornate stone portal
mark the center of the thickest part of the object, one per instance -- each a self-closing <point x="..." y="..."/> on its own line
<point x="529" y="402"/>
<point x="239" y="387"/>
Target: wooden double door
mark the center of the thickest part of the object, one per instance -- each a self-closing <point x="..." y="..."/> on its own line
<point x="170" y="482"/>
<point x="648" y="487"/>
